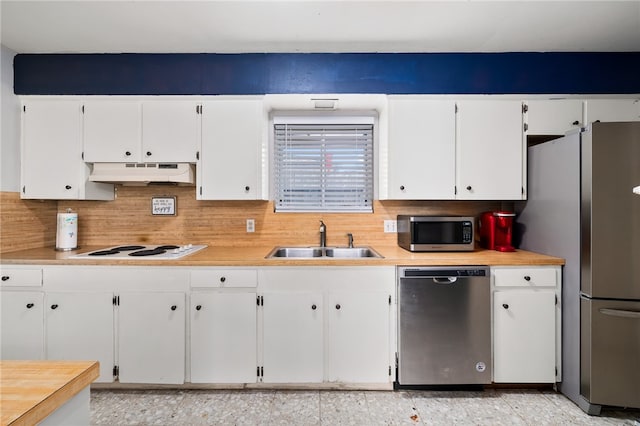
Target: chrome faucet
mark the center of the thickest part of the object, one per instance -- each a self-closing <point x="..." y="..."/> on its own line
<point x="350" y="236"/>
<point x="323" y="234"/>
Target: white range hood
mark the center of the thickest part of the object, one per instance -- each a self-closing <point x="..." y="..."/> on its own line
<point x="139" y="174"/>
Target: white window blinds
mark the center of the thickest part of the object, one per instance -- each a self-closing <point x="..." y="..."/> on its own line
<point x="323" y="167"/>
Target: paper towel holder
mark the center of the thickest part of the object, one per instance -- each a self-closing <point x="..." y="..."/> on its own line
<point x="67" y="231"/>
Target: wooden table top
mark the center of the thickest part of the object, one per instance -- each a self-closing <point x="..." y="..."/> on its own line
<point x="31" y="390"/>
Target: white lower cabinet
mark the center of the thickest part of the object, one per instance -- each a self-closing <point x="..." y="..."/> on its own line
<point x="358" y="338"/>
<point x="327" y="324"/>
<point x="526" y="324"/>
<point x="292" y="337"/>
<point x="223" y="339"/>
<point x="22" y="325"/>
<point x="151" y="337"/>
<point x="80" y="326"/>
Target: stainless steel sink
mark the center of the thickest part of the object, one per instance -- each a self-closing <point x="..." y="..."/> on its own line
<point x="351" y="252"/>
<point x="320" y="252"/>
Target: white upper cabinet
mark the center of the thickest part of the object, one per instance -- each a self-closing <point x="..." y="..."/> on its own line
<point x="141" y="132"/>
<point x="112" y="132"/>
<point x="170" y="131"/>
<point x="553" y="116"/>
<point x="52" y="164"/>
<point x="612" y="110"/>
<point x="489" y="150"/>
<point x="421" y="149"/>
<point x="233" y="149"/>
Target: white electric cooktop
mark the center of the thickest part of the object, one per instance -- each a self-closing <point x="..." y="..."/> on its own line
<point x="137" y="251"/>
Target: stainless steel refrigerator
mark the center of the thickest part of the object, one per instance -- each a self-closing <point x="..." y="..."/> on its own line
<point x="583" y="205"/>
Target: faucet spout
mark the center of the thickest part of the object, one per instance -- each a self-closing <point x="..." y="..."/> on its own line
<point x="323" y="234"/>
<point x="350" y="236"/>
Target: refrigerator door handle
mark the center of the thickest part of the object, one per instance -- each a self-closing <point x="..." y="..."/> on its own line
<point x="620" y="313"/>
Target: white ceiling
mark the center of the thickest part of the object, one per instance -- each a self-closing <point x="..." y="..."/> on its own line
<point x="319" y="26"/>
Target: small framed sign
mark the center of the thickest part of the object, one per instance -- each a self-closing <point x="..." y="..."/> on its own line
<point x="164" y="206"/>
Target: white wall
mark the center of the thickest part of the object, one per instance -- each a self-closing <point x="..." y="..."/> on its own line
<point x="9" y="127"/>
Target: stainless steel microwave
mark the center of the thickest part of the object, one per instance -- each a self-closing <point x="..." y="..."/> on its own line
<point x="436" y="233"/>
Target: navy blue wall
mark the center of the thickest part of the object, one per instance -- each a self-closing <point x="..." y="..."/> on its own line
<point x="240" y="74"/>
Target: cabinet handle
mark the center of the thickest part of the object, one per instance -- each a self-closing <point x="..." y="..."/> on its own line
<point x="247" y="188"/>
<point x="313" y="307"/>
<point x="469" y="188"/>
<point x="198" y="307"/>
<point x="148" y="153"/>
<point x="174" y="307"/>
<point x="527" y="278"/>
<point x="128" y="153"/>
<point x="575" y="123"/>
<point x="5" y="278"/>
<point x="223" y="279"/>
<point x="54" y="306"/>
<point x="338" y="306"/>
<point x="401" y="187"/>
<point x="67" y="187"/>
<point x="504" y="305"/>
<point x="29" y="305"/>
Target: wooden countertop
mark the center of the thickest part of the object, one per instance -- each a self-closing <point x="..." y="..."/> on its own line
<point x="255" y="256"/>
<point x="31" y="390"/>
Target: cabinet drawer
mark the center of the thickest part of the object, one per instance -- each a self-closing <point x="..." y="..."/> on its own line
<point x="224" y="278"/>
<point x="524" y="277"/>
<point x="17" y="277"/>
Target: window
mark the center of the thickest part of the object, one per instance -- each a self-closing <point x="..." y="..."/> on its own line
<point x="323" y="165"/>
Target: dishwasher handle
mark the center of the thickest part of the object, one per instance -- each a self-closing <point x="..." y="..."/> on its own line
<point x="620" y="313"/>
<point x="445" y="280"/>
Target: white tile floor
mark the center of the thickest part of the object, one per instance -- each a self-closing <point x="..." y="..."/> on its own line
<point x="270" y="407"/>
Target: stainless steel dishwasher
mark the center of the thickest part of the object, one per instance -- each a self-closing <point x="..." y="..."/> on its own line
<point x="444" y="325"/>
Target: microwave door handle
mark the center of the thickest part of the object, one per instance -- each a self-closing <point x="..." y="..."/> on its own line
<point x="620" y="313"/>
<point x="447" y="280"/>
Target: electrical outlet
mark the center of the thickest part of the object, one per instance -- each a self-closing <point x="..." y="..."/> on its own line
<point x="390" y="226"/>
<point x="251" y="225"/>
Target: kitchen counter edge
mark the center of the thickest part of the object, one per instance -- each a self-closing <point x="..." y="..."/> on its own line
<point x="255" y="256"/>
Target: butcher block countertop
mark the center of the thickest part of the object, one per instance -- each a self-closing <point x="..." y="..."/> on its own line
<point x="255" y="256"/>
<point x="31" y="390"/>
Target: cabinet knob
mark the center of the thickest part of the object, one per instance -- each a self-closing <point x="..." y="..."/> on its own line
<point x="527" y="278"/>
<point x="54" y="306"/>
<point x="469" y="188"/>
<point x="67" y="187"/>
<point x="575" y="123"/>
<point x="29" y="305"/>
<point x="198" y="307"/>
<point x="223" y="279"/>
<point x="5" y="278"/>
<point x="338" y="306"/>
<point x="313" y="307"/>
<point x="506" y="306"/>
<point x="128" y="153"/>
<point x="247" y="188"/>
<point x="174" y="307"/>
<point x="148" y="153"/>
<point x="401" y="187"/>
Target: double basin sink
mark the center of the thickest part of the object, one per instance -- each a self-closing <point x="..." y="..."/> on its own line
<point x="323" y="252"/>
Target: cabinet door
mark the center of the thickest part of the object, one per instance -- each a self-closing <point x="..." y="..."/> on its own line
<point x="80" y="326"/>
<point x="524" y="336"/>
<point x="553" y="117"/>
<point x="52" y="166"/>
<point x="489" y="150"/>
<point x="112" y="132"/>
<point x="231" y="154"/>
<point x="151" y="337"/>
<point x="22" y="325"/>
<point x="293" y="338"/>
<point x="612" y="110"/>
<point x="421" y="149"/>
<point x="170" y="131"/>
<point x="359" y="337"/>
<point x="223" y="337"/>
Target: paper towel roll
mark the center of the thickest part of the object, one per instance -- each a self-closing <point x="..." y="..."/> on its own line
<point x="67" y="232"/>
